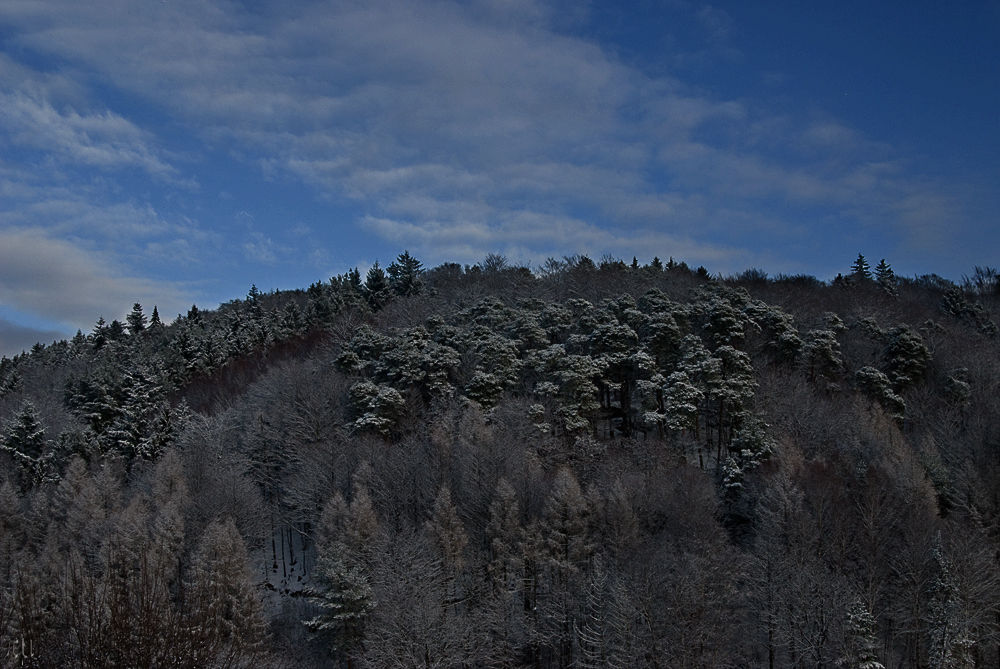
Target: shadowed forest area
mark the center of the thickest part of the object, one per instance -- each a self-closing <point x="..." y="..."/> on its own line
<point x="588" y="464"/>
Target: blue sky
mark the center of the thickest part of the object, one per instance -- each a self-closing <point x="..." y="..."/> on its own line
<point x="173" y="152"/>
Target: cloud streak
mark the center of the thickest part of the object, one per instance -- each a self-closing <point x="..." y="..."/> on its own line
<point x="468" y="127"/>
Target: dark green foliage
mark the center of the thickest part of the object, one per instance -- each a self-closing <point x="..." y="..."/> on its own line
<point x="136" y="320"/>
<point x="377" y="291"/>
<point x="405" y="275"/>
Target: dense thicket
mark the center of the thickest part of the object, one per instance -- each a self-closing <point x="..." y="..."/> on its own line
<point x="585" y="465"/>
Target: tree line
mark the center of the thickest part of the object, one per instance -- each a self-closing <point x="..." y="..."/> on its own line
<point x="585" y="464"/>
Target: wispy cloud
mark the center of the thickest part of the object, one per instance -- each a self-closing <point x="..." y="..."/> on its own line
<point x="471" y="127"/>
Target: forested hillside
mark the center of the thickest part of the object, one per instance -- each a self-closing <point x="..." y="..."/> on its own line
<point x="578" y="465"/>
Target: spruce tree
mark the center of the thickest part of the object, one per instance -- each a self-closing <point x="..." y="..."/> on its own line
<point x="377" y="290"/>
<point x="404" y="275"/>
<point x="99" y="335"/>
<point x="860" y="270"/>
<point x="25" y="441"/>
<point x="136" y="320"/>
<point x="341" y="591"/>
<point x="886" y="278"/>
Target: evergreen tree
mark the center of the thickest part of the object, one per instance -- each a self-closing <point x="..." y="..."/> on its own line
<point x="378" y="407"/>
<point x="99" y="335"/>
<point x="136" y="320"/>
<point x="906" y="356"/>
<point x="821" y="354"/>
<point x="377" y="290"/>
<point x="877" y="386"/>
<point x="860" y="270"/>
<point x="79" y="342"/>
<point x="862" y="642"/>
<point x="25" y="442"/>
<point x="154" y="320"/>
<point x="886" y="278"/>
<point x="116" y="331"/>
<point x="404" y="275"/>
<point x="342" y="593"/>
<point x="25" y="434"/>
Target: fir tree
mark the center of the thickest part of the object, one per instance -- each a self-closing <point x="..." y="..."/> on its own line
<point x="886" y="278"/>
<point x="860" y="270"/>
<point x="136" y="320"/>
<point x="862" y="643"/>
<point x="99" y="335"/>
<point x="25" y="442"/>
<point x="377" y="290"/>
<point x="342" y="593"/>
<point x="404" y="275"/>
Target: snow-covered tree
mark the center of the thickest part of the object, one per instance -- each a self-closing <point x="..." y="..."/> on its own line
<point x="861" y="643"/>
<point x="227" y="614"/>
<point x="906" y="356"/>
<point x="877" y="386"/>
<point x="341" y="590"/>
<point x="25" y="441"/>
<point x="821" y="354"/>
<point x="378" y="407"/>
<point x="949" y="643"/>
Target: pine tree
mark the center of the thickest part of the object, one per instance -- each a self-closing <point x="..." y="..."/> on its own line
<point x="906" y="356"/>
<point x="821" y="354"/>
<point x="25" y="441"/>
<point x="342" y="593"/>
<point x="860" y="270"/>
<point x="377" y="290"/>
<point x="378" y="407"/>
<point x="886" y="278"/>
<point x="404" y="275"/>
<point x="136" y="320"/>
<point x="877" y="386"/>
<point x="99" y="335"/>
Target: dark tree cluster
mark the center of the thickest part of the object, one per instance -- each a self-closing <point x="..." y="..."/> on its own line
<point x="588" y="464"/>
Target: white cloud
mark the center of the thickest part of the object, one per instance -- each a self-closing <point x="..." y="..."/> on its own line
<point x="103" y="140"/>
<point x="64" y="283"/>
<point x="463" y="126"/>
